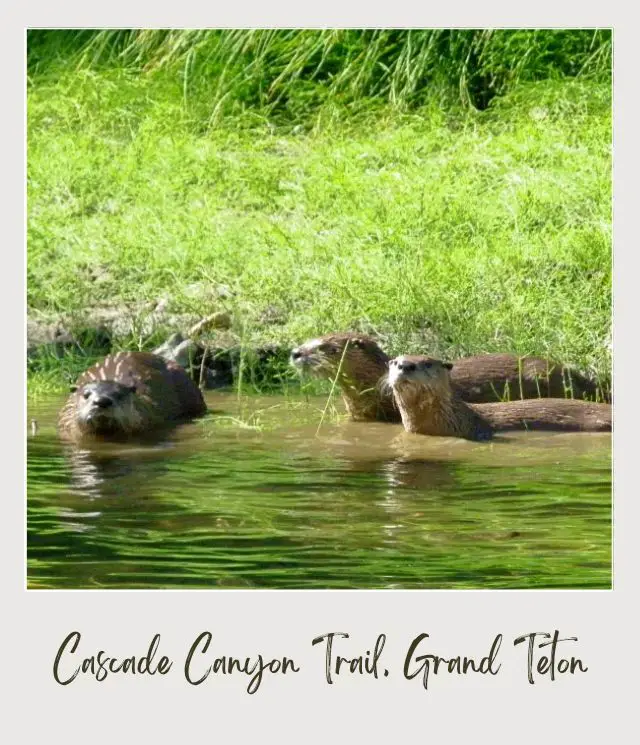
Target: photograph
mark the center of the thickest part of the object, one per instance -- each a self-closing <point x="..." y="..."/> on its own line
<point x="319" y="308"/>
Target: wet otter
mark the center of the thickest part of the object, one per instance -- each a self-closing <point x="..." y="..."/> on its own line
<point x="484" y="378"/>
<point x="129" y="393"/>
<point x="357" y="364"/>
<point x="429" y="405"/>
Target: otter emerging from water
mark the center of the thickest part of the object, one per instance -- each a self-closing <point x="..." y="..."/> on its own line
<point x="127" y="394"/>
<point x="429" y="405"/>
<point x="358" y="364"/>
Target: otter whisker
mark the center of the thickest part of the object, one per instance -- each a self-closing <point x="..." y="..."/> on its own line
<point x="383" y="385"/>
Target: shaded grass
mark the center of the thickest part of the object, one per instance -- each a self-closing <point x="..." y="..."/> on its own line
<point x="447" y="232"/>
<point x="293" y="71"/>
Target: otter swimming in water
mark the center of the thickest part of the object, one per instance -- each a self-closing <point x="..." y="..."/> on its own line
<point x="362" y="364"/>
<point x="429" y="405"/>
<point x="127" y="394"/>
<point x="357" y="364"/>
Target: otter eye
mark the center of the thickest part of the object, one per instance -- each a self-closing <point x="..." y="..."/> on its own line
<point x="86" y="394"/>
<point x="427" y="364"/>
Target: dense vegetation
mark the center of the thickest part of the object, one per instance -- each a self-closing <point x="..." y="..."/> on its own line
<point x="448" y="190"/>
<point x="295" y="70"/>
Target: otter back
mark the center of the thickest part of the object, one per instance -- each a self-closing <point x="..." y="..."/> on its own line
<point x="550" y="414"/>
<point x="491" y="377"/>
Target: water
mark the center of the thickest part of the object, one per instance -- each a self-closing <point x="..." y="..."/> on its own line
<point x="223" y="505"/>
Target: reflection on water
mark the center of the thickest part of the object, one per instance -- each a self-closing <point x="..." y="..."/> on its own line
<point x="218" y="504"/>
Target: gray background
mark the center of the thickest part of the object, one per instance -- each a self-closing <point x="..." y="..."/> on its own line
<point x="303" y="708"/>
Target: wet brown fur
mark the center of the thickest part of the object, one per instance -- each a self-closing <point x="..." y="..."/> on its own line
<point x="164" y="394"/>
<point x="429" y="405"/>
<point x="359" y="372"/>
<point x="484" y="378"/>
<point x="492" y="377"/>
<point x="551" y="414"/>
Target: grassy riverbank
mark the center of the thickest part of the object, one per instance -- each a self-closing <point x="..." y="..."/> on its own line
<point x="448" y="230"/>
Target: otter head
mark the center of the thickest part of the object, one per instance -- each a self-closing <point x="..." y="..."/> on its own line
<point x="104" y="407"/>
<point x="419" y="378"/>
<point x="354" y="360"/>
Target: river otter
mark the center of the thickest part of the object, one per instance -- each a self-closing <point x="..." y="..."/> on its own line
<point x="357" y="364"/>
<point x="429" y="405"/>
<point x="484" y="378"/>
<point x="129" y="393"/>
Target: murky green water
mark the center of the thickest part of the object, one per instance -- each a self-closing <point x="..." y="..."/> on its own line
<point x="355" y="506"/>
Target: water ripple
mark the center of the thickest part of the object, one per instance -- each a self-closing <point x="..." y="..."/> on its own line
<point x="360" y="506"/>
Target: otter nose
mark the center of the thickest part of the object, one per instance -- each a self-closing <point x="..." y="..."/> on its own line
<point x="103" y="402"/>
<point x="407" y="366"/>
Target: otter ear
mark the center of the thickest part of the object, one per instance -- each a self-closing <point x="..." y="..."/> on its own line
<point x="448" y="365"/>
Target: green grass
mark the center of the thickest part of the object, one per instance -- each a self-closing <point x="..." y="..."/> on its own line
<point x="292" y="71"/>
<point x="449" y="231"/>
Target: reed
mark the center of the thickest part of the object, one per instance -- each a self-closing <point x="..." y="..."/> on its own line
<point x="294" y="70"/>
